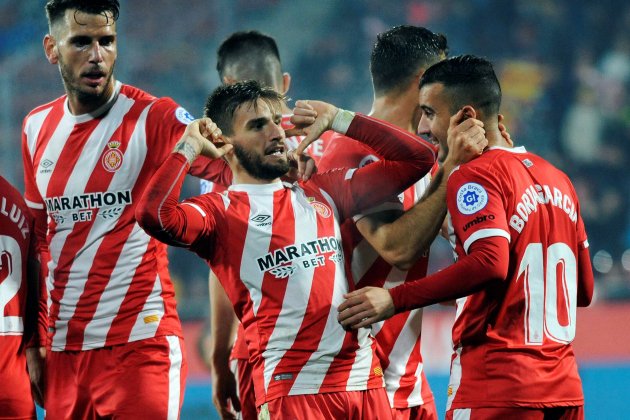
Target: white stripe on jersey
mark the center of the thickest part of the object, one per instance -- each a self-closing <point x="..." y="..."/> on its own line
<point x="76" y="185"/>
<point x="485" y="233"/>
<point x="116" y="289"/>
<point x="461" y="414"/>
<point x="455" y="379"/>
<point x="256" y="243"/>
<point x="399" y="355"/>
<point x="174" y="377"/>
<point x="363" y="257"/>
<point x="153" y="308"/>
<point x="32" y="128"/>
<point x="294" y="308"/>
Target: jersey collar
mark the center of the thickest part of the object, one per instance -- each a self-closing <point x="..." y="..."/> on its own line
<point x="97" y="112"/>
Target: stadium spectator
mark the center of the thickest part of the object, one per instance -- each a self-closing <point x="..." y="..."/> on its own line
<point x="116" y="339"/>
<point x="287" y="278"/>
<point x="523" y="264"/>
<point x="23" y="309"/>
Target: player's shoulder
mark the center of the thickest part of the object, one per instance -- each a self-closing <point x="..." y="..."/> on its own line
<point x="58" y="102"/>
<point x="161" y="107"/>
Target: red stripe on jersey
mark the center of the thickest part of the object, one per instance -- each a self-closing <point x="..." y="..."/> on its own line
<point x="409" y="380"/>
<point x="320" y="300"/>
<point x="51" y="122"/>
<point x="111" y="246"/>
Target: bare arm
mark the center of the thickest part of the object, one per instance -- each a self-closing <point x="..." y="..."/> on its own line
<point x="402" y="240"/>
<point x="223" y="324"/>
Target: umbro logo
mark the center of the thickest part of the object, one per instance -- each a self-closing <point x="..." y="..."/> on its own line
<point x="261" y="220"/>
<point x="45" y="166"/>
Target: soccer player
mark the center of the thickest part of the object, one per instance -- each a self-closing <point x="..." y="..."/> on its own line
<point x="22" y="340"/>
<point x="523" y="264"/>
<point x="398" y="59"/>
<point x="116" y="339"/>
<point x="245" y="55"/>
<point x="276" y="248"/>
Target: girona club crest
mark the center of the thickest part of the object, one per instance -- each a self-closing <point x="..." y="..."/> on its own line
<point x="112" y="157"/>
<point x="320" y="207"/>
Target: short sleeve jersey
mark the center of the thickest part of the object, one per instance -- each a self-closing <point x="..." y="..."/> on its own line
<point x="512" y="340"/>
<point x="108" y="279"/>
<point x="16" y="244"/>
<point x="398" y="338"/>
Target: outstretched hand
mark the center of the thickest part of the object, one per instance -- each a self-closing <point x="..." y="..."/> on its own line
<point x="203" y="137"/>
<point x="364" y="307"/>
<point x="311" y="119"/>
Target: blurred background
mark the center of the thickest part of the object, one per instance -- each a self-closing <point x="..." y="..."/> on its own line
<point x="564" y="66"/>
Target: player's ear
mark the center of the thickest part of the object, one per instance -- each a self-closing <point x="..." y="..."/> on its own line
<point x="50" y="49"/>
<point x="286" y="83"/>
<point x="469" y="112"/>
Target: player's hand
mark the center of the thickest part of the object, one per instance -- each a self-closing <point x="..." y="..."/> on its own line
<point x="466" y="138"/>
<point x="35" y="359"/>
<point x="311" y="119"/>
<point x="503" y="130"/>
<point x="203" y="137"/>
<point x="224" y="393"/>
<point x="364" y="307"/>
<point x="302" y="166"/>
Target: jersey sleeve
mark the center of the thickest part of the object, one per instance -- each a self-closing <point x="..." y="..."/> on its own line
<point x="405" y="159"/>
<point x="166" y="123"/>
<point x="161" y="215"/>
<point x="475" y="206"/>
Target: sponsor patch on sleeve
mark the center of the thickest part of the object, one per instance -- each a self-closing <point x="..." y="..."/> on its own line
<point x="471" y="197"/>
<point x="183" y="116"/>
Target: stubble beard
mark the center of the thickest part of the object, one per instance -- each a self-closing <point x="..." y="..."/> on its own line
<point x="73" y="87"/>
<point x="254" y="165"/>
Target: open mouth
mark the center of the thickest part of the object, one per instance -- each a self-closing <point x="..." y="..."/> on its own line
<point x="275" y="151"/>
<point x="94" y="76"/>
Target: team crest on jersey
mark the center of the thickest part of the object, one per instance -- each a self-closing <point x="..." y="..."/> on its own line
<point x="320" y="207"/>
<point x="183" y="116"/>
<point x="471" y="197"/>
<point x="113" y="157"/>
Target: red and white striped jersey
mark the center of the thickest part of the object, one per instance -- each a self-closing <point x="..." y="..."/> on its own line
<point x="398" y="338"/>
<point x="16" y="245"/>
<point x="108" y="279"/>
<point x="512" y="340"/>
<point x="276" y="249"/>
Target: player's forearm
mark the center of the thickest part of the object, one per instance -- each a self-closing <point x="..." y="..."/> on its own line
<point x="392" y="143"/>
<point x="402" y="241"/>
<point x="215" y="170"/>
<point x="223" y="324"/>
<point x="487" y="262"/>
<point x="586" y="281"/>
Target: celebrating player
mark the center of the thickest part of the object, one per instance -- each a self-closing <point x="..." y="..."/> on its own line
<point x="277" y="249"/>
<point x="523" y="263"/>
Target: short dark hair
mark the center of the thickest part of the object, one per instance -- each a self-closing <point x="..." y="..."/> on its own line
<point x="250" y="55"/>
<point x="468" y="80"/>
<point x="55" y="9"/>
<point x="223" y="102"/>
<point x="400" y="52"/>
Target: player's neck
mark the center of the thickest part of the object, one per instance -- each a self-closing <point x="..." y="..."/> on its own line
<point x="80" y="106"/>
<point x="241" y="176"/>
<point x="398" y="110"/>
<point x="496" y="139"/>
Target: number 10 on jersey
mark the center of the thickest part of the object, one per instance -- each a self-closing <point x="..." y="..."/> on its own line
<point x="550" y="286"/>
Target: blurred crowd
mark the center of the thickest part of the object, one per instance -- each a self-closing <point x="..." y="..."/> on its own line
<point x="564" y="66"/>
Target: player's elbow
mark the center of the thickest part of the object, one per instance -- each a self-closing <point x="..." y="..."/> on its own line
<point x="400" y="258"/>
<point x="147" y="219"/>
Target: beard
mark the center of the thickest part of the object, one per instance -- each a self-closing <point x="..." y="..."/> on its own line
<point x="73" y="87"/>
<point x="255" y="166"/>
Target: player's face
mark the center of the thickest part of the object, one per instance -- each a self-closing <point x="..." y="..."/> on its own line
<point x="85" y="49"/>
<point x="435" y="117"/>
<point x="259" y="140"/>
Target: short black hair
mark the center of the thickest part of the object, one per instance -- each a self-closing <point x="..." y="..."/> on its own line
<point x="223" y="102"/>
<point x="250" y="55"/>
<point x="56" y="9"/>
<point x="400" y="52"/>
<point x="468" y="80"/>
